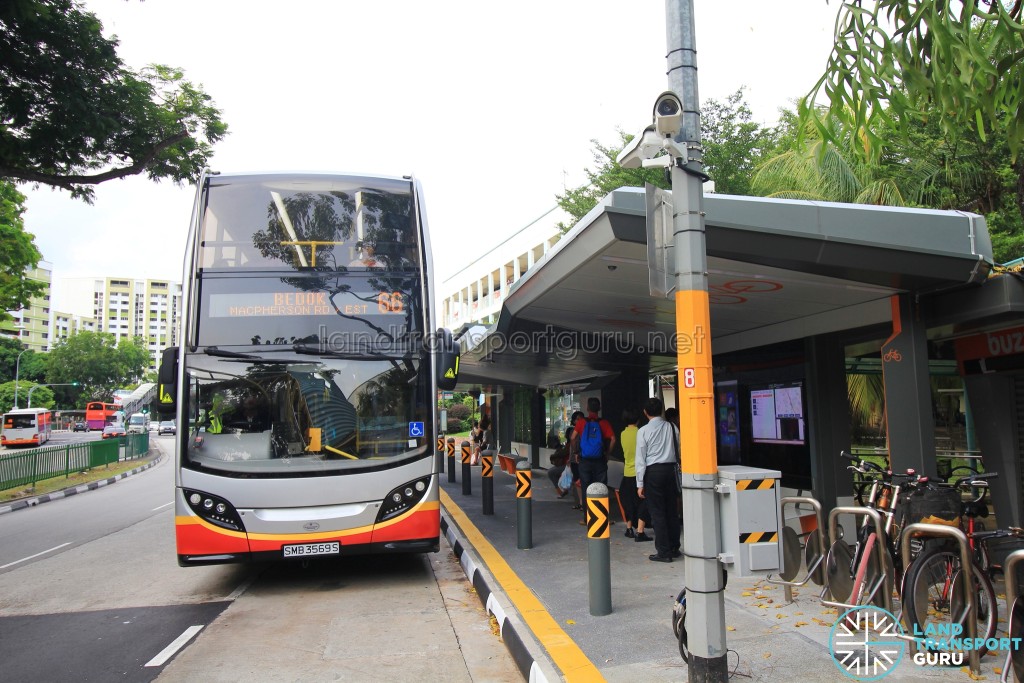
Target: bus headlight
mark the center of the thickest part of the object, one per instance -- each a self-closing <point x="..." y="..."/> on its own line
<point x="403" y="498"/>
<point x="214" y="510"/>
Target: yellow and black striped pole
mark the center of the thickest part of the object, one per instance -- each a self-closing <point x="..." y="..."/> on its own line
<point x="450" y="449"/>
<point x="599" y="550"/>
<point x="524" y="505"/>
<point x="440" y="453"/>
<point x="487" y="481"/>
<point x="467" y="472"/>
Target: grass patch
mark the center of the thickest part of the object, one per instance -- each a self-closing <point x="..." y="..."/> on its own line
<point x="76" y="479"/>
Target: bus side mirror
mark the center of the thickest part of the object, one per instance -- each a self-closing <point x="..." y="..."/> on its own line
<point x="167" y="400"/>
<point x="448" y="352"/>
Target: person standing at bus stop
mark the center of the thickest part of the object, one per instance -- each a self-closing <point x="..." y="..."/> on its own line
<point x="595" y="439"/>
<point x="657" y="479"/>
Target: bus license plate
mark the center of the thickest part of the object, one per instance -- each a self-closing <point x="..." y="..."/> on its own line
<point x="308" y="549"/>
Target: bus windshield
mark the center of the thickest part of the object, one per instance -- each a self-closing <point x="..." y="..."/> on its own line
<point x="308" y="223"/>
<point x="309" y="327"/>
<point x="290" y="413"/>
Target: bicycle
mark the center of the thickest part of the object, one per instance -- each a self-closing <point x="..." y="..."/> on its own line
<point x="932" y="592"/>
<point x="856" y="576"/>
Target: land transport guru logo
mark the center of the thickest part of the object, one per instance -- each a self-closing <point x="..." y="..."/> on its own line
<point x="868" y="642"/>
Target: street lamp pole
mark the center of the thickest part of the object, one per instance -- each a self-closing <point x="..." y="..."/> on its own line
<point x="17" y="375"/>
<point x="60" y="384"/>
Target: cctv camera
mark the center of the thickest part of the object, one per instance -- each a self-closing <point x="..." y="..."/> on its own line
<point x="644" y="145"/>
<point x="668" y="114"/>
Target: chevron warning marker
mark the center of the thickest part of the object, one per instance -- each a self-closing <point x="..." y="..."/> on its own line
<point x="755" y="484"/>
<point x="486" y="466"/>
<point x="524" y="487"/>
<point x="465" y="453"/>
<point x="451" y="449"/>
<point x="760" y="537"/>
<point x="597" y="518"/>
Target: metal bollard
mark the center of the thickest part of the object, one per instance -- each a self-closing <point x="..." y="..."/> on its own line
<point x="467" y="472"/>
<point x="487" y="481"/>
<point x="524" y="502"/>
<point x="450" y="447"/>
<point x="440" y="454"/>
<point x="599" y="550"/>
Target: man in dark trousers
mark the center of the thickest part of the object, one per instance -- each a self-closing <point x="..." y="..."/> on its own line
<point x="657" y="479"/>
<point x="594" y="438"/>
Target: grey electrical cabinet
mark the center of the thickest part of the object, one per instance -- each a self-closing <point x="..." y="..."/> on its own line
<point x="748" y="504"/>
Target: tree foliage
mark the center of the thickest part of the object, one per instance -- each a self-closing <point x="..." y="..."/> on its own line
<point x="733" y="144"/>
<point x="31" y="368"/>
<point x="921" y="167"/>
<point x="74" y="115"/>
<point x="42" y="396"/>
<point x="98" y="364"/>
<point x="18" y="252"/>
<point x="901" y="62"/>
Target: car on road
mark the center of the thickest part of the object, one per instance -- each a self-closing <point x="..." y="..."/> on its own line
<point x="114" y="431"/>
<point x="80" y="427"/>
<point x="167" y="427"/>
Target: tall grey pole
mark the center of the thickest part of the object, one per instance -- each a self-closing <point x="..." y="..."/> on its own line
<point x="705" y="607"/>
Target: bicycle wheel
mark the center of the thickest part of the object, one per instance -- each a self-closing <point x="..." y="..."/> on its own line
<point x="933" y="600"/>
<point x="838" y="576"/>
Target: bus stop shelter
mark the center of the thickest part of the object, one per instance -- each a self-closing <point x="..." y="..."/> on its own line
<point x="787" y="280"/>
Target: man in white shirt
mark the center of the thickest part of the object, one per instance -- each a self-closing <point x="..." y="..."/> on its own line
<point x="657" y="479"/>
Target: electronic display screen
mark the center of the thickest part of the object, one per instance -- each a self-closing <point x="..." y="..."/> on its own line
<point x="777" y="414"/>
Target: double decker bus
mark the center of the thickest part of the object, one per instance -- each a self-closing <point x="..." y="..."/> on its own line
<point x="26" y="427"/>
<point x="98" y="414"/>
<point x="305" y="384"/>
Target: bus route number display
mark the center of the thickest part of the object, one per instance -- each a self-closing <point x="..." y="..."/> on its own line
<point x="255" y="304"/>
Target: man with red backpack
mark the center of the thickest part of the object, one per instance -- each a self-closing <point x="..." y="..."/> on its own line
<point x="594" y="439"/>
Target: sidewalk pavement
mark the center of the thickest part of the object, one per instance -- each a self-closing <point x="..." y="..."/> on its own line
<point x="544" y="593"/>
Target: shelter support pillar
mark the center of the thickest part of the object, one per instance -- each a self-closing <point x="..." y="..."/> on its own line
<point x="993" y="402"/>
<point x="908" y="399"/>
<point x="629" y="390"/>
<point x="828" y="410"/>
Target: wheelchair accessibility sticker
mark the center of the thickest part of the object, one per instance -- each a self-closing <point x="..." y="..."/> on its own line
<point x="416" y="430"/>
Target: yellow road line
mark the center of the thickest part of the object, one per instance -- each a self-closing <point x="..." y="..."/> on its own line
<point x="563" y="650"/>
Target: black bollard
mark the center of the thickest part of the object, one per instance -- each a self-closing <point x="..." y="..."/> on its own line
<point x="487" y="481"/>
<point x="599" y="550"/>
<point x="467" y="471"/>
<point x="450" y="447"/>
<point x="440" y="454"/>
<point x="524" y="502"/>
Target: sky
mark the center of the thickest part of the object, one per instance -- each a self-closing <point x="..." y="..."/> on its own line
<point x="493" y="106"/>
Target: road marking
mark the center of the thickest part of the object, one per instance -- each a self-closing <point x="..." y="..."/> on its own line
<point x="176" y="645"/>
<point x="160" y="507"/>
<point x="237" y="593"/>
<point x="566" y="654"/>
<point x="31" y="557"/>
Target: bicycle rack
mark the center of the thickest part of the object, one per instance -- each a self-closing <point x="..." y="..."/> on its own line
<point x="1010" y="576"/>
<point x="884" y="583"/>
<point x="822" y="534"/>
<point x="965" y="566"/>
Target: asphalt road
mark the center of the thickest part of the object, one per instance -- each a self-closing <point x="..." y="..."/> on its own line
<point x="90" y="590"/>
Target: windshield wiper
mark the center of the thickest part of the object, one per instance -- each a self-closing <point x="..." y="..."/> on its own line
<point x="307" y="350"/>
<point x="224" y="353"/>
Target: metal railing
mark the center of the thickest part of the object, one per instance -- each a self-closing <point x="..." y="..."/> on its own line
<point x="26" y="468"/>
